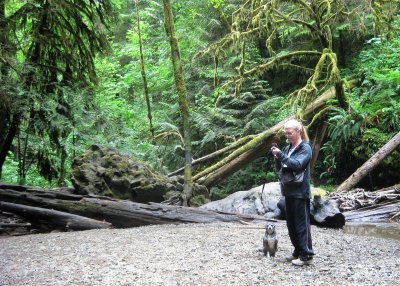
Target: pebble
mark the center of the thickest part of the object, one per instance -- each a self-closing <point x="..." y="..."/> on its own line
<point x="192" y="254"/>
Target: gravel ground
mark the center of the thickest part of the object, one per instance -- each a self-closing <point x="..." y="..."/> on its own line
<point x="193" y="254"/>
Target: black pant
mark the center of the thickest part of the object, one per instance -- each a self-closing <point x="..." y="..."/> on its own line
<point x="298" y="224"/>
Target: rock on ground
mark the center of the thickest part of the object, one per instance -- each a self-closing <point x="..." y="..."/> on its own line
<point x="266" y="200"/>
<point x="193" y="254"/>
<point x="105" y="171"/>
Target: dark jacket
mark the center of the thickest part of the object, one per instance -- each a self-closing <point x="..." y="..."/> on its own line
<point x="298" y="161"/>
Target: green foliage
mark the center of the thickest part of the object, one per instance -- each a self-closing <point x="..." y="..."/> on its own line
<point x="371" y="140"/>
<point x="216" y="3"/>
<point x="68" y="115"/>
<point x="33" y="177"/>
<point x="294" y="37"/>
<point x="49" y="48"/>
<point x="328" y="188"/>
<point x="379" y="93"/>
<point x="344" y="125"/>
<point x="385" y="13"/>
<point x="354" y="136"/>
<point x="252" y="112"/>
<point x="328" y="169"/>
<point x="199" y="200"/>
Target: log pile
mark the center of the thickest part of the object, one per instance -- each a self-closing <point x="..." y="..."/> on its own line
<point x="361" y="205"/>
<point x="62" y="210"/>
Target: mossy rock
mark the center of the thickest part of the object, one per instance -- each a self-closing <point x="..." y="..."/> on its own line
<point x="104" y="171"/>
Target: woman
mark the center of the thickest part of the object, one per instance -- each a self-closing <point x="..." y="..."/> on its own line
<point x="295" y="159"/>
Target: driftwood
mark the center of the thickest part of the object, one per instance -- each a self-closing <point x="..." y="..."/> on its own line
<point x="359" y="205"/>
<point x="383" y="212"/>
<point x="368" y="166"/>
<point x="13" y="225"/>
<point x="41" y="218"/>
<point x="120" y="213"/>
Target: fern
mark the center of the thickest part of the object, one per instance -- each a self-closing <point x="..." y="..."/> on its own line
<point x="344" y="126"/>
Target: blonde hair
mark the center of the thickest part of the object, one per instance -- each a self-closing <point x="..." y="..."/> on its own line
<point x="297" y="126"/>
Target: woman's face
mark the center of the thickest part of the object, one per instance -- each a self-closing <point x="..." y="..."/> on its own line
<point x="292" y="135"/>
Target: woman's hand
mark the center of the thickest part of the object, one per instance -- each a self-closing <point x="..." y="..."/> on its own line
<point x="275" y="151"/>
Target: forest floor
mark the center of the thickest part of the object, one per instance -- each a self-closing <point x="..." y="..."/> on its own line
<point x="193" y="254"/>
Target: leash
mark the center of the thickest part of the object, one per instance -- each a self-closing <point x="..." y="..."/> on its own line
<point x="269" y="153"/>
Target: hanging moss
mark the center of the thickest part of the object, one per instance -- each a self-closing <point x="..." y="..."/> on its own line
<point x="270" y="18"/>
<point x="384" y="12"/>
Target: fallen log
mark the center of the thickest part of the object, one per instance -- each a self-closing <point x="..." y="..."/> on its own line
<point x="368" y="166"/>
<point x="120" y="213"/>
<point x="51" y="219"/>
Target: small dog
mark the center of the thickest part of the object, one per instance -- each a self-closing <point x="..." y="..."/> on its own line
<point x="270" y="241"/>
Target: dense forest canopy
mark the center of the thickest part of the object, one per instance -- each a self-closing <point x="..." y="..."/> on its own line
<point x="77" y="73"/>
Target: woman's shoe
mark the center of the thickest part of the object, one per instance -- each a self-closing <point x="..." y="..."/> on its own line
<point x="291" y="258"/>
<point x="299" y="262"/>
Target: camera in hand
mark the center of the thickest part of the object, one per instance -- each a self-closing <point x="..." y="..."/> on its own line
<point x="272" y="145"/>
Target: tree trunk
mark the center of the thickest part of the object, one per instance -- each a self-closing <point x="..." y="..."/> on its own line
<point x="223" y="18"/>
<point x="182" y="98"/>
<point x="4" y="41"/>
<point x="120" y="213"/>
<point x="319" y="137"/>
<point x="368" y="166"/>
<point x="143" y="72"/>
<point x="12" y="131"/>
<point x="341" y="96"/>
<point x="62" y="174"/>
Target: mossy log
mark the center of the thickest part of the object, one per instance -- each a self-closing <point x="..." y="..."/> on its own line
<point x="120" y="213"/>
<point x="256" y="147"/>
